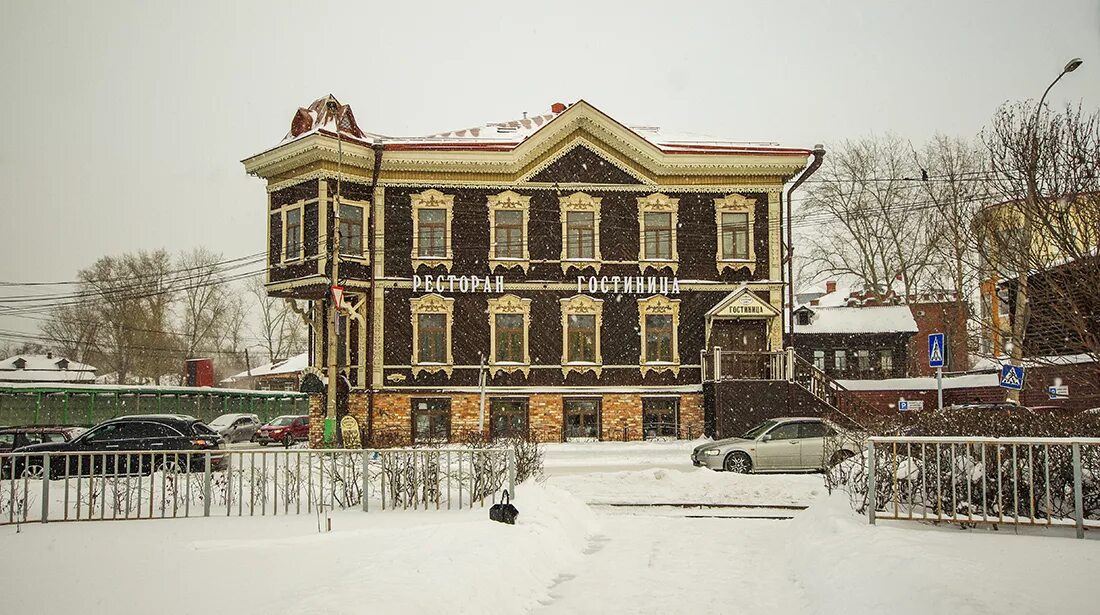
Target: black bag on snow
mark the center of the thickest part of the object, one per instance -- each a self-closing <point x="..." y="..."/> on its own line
<point x="504" y="512"/>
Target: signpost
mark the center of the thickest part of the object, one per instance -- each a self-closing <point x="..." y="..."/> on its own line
<point x="1012" y="377"/>
<point x="1058" y="391"/>
<point x="936" y="360"/>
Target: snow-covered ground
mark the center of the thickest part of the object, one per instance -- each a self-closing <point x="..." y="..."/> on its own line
<point x="562" y="557"/>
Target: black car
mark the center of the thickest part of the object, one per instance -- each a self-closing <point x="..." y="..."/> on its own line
<point x="145" y="434"/>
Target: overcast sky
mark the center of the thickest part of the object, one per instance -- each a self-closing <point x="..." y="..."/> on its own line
<point x="123" y="124"/>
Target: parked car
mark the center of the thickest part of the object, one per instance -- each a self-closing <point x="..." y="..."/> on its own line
<point x="12" y="438"/>
<point x="776" y="445"/>
<point x="286" y="429"/>
<point x="236" y="427"/>
<point x="143" y="433"/>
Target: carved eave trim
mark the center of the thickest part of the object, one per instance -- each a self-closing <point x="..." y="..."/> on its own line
<point x="509" y="304"/>
<point x="659" y="304"/>
<point x="581" y="305"/>
<point x="432" y="199"/>
<point x="579" y="139"/>
<point x="736" y="203"/>
<point x="579" y="124"/>
<point x="584" y="202"/>
<point x="431" y="304"/>
<point x="509" y="201"/>
<point x="658" y="203"/>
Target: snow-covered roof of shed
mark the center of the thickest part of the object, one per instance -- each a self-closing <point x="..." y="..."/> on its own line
<point x="289" y="365"/>
<point x="872" y="319"/>
<point x="45" y="368"/>
<point x="965" y="381"/>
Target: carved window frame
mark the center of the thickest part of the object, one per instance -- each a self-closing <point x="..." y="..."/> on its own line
<point x="580" y="305"/>
<point x="584" y="202"/>
<point x="659" y="305"/>
<point x="432" y="199"/>
<point x="281" y="212"/>
<point x="431" y="304"/>
<point x="509" y="304"/>
<point x="508" y="201"/>
<point x="735" y="203"/>
<point x="364" y="207"/>
<point x="660" y="204"/>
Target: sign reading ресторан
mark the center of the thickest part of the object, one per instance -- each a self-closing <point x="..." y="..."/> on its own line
<point x="613" y="284"/>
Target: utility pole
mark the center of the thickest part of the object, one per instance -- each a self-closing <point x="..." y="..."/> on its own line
<point x="334" y="315"/>
<point x="1022" y="307"/>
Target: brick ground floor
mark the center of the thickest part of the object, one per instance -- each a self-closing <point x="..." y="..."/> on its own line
<point x="408" y="417"/>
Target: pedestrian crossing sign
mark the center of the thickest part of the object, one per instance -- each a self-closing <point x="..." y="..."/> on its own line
<point x="1012" y="377"/>
<point x="935" y="350"/>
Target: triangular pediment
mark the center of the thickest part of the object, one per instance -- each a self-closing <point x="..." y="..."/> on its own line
<point x="742" y="303"/>
<point x="580" y="163"/>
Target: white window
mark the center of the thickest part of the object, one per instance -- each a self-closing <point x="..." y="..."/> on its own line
<point x="352" y="224"/>
<point x="293" y="232"/>
<point x="432" y="316"/>
<point x="580" y="231"/>
<point x="581" y="321"/>
<point x="734" y="219"/>
<point x="509" y="319"/>
<point x="657" y="221"/>
<point x="431" y="218"/>
<point x="659" y="322"/>
<point x="508" y="214"/>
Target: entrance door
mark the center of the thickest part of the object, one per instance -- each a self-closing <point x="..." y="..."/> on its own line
<point x="740" y="336"/>
<point x="582" y="419"/>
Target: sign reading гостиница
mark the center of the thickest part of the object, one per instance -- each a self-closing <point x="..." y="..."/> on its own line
<point x="627" y="285"/>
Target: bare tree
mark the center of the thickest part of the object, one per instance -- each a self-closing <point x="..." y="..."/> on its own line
<point x="280" y="331"/>
<point x="73" y="330"/>
<point x="874" y="224"/>
<point x="1043" y="241"/>
<point x="203" y="305"/>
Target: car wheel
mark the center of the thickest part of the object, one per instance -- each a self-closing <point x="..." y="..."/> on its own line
<point x="169" y="466"/>
<point x="263" y="443"/>
<point x="738" y="462"/>
<point x="840" y="457"/>
<point x="32" y="471"/>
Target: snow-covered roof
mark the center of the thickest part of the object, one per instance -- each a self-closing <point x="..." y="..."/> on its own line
<point x="873" y="319"/>
<point x="966" y="381"/>
<point x="289" y="365"/>
<point x="507" y="134"/>
<point x="44" y="368"/>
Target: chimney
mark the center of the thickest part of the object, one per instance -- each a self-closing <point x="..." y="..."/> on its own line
<point x="49" y="355"/>
<point x="813" y="302"/>
<point x="557" y="108"/>
<point x="830" y="286"/>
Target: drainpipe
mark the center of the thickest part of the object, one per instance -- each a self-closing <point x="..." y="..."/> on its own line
<point x="819" y="157"/>
<point x="378" y="148"/>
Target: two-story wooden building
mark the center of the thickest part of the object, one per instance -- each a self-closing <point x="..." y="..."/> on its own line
<point x="566" y="268"/>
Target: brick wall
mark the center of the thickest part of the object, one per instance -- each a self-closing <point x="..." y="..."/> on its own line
<point x="622" y="417"/>
<point x="691" y="415"/>
<point x="393" y="423"/>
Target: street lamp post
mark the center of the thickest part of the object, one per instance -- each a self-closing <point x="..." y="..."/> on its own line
<point x="334" y="312"/>
<point x="1031" y="200"/>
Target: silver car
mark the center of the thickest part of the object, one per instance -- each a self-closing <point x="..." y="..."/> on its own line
<point x="778" y="445"/>
<point x="236" y="427"/>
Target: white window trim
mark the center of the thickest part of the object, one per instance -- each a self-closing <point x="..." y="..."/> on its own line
<point x="509" y="304"/>
<point x="365" y="207"/>
<point x="431" y="304"/>
<point x="432" y="199"/>
<point x="508" y="201"/>
<point x="300" y="205"/>
<point x="579" y="201"/>
<point x="659" y="304"/>
<point x="735" y="203"/>
<point x="657" y="203"/>
<point x="580" y="304"/>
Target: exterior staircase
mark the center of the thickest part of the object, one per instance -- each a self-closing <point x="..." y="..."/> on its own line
<point x="741" y="389"/>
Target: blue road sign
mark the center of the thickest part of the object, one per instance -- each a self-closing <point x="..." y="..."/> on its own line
<point x="903" y="406"/>
<point x="1012" y="377"/>
<point x="935" y="350"/>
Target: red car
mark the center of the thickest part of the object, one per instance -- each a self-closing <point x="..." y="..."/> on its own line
<point x="284" y="429"/>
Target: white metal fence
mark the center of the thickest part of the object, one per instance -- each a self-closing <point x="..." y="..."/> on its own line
<point x="80" y="486"/>
<point x="975" y="480"/>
